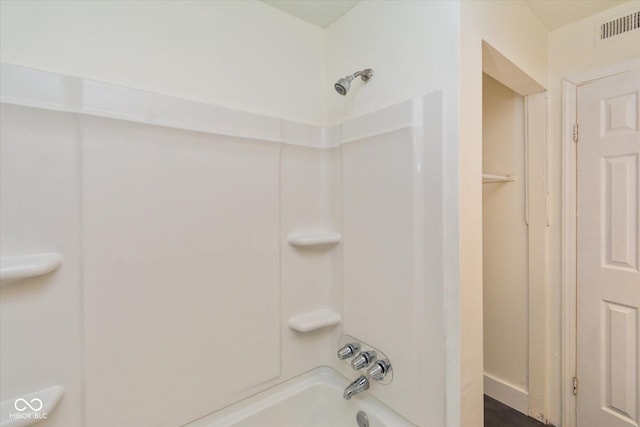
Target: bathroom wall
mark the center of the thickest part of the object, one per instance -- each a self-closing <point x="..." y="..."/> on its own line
<point x="408" y="44"/>
<point x="504" y="245"/>
<point x="239" y="54"/>
<point x="572" y="52"/>
<point x="512" y="29"/>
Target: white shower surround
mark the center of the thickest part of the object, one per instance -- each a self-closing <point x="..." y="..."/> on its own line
<point x="400" y="147"/>
<point x="40" y="89"/>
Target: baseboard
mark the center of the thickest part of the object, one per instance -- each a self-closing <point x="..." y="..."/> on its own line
<point x="506" y="393"/>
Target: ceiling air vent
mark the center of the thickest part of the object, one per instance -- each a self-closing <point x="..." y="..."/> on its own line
<point x="620" y="25"/>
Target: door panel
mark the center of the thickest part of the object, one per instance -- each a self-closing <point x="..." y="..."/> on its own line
<point x="620" y="359"/>
<point x="620" y="185"/>
<point x="607" y="247"/>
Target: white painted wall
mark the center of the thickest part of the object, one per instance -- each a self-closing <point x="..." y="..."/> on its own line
<point x="408" y="44"/>
<point x="504" y="238"/>
<point x="572" y="52"/>
<point x="512" y="29"/>
<point x="244" y="55"/>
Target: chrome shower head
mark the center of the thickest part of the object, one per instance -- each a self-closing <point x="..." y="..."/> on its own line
<point x="342" y="85"/>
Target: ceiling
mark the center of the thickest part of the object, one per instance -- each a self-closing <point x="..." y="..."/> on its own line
<point x="558" y="13"/>
<point x="552" y="13"/>
<point x="321" y="13"/>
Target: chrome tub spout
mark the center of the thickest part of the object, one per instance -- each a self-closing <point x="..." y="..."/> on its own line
<point x="359" y="385"/>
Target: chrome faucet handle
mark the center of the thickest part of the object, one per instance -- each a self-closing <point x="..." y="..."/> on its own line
<point x="349" y="350"/>
<point x="363" y="360"/>
<point x="379" y="370"/>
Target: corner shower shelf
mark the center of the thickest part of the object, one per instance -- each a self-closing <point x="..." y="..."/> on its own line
<point x="26" y="266"/>
<point x="488" y="178"/>
<point x="315" y="240"/>
<point x="314" y="320"/>
<point x="42" y="402"/>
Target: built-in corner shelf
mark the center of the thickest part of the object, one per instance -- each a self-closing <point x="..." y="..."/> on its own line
<point x="488" y="178"/>
<point x="318" y="240"/>
<point x="314" y="320"/>
<point x="30" y="408"/>
<point x="25" y="266"/>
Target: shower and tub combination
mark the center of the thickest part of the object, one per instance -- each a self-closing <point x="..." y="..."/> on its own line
<point x="244" y="241"/>
<point x="321" y="397"/>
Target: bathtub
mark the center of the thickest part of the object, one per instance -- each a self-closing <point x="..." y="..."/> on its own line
<point x="313" y="399"/>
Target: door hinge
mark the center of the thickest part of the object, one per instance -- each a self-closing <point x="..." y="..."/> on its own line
<point x="575" y="386"/>
<point x="575" y="132"/>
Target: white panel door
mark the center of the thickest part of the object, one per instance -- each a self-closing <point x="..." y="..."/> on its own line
<point x="608" y="277"/>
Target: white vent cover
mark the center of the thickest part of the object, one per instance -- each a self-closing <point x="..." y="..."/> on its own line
<point x="618" y="26"/>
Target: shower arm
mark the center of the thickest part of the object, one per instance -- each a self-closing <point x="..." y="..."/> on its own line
<point x="364" y="75"/>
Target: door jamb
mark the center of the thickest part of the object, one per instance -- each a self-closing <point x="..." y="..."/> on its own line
<point x="569" y="282"/>
<point x="569" y="235"/>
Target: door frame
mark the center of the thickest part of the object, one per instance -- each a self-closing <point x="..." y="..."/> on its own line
<point x="569" y="230"/>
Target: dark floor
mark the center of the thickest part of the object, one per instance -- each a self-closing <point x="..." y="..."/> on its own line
<point x="498" y="415"/>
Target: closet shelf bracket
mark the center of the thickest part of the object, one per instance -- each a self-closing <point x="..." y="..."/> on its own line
<point x="489" y="178"/>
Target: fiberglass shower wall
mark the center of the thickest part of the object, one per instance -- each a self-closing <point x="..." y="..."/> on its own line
<point x="180" y="297"/>
<point x="186" y="280"/>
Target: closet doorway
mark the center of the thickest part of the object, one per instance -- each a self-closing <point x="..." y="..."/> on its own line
<point x="515" y="237"/>
<point x="505" y="246"/>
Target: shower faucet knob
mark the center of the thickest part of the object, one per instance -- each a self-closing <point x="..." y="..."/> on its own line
<point x="379" y="370"/>
<point x="363" y="360"/>
<point x="348" y="350"/>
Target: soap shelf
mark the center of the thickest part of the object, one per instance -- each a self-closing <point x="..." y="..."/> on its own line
<point x="30" y="408"/>
<point x="26" y="266"/>
<point x="488" y="178"/>
<point x="314" y="320"/>
<point x="315" y="240"/>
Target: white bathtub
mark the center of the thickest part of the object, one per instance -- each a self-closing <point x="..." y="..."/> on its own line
<point x="310" y="400"/>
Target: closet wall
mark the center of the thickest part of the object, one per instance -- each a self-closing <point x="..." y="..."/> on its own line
<point x="505" y="246"/>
